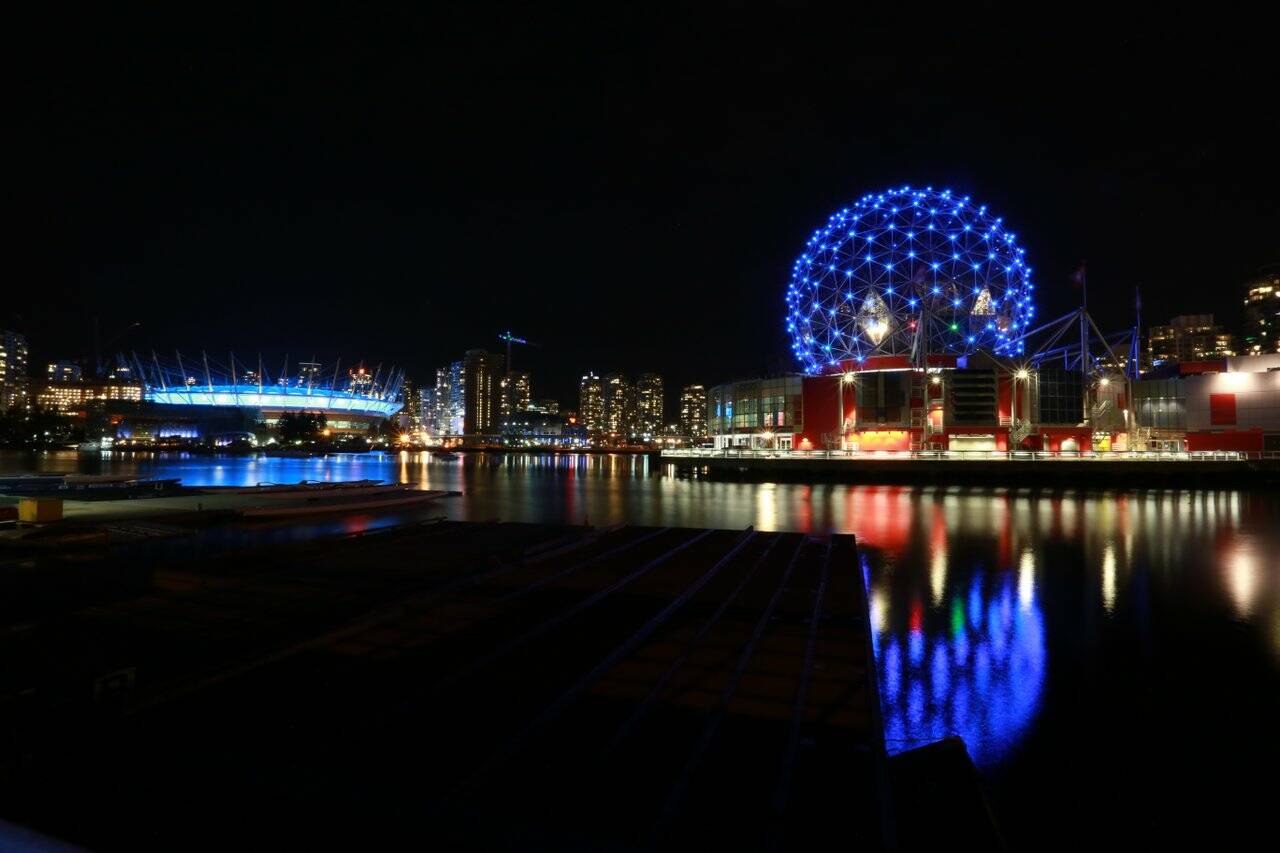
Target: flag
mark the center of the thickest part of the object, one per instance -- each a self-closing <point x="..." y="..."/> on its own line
<point x="1077" y="277"/>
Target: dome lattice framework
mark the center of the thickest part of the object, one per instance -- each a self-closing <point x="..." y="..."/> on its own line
<point x="908" y="272"/>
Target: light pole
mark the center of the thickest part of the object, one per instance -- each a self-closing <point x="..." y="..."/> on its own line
<point x="846" y="377"/>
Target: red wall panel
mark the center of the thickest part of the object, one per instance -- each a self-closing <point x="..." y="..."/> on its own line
<point x="1222" y="409"/>
<point x="1249" y="440"/>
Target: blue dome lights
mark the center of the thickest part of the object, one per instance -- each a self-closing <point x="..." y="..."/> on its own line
<point x="905" y="271"/>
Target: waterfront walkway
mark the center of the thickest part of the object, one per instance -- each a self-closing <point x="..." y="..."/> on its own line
<point x="1016" y="468"/>
<point x="467" y="686"/>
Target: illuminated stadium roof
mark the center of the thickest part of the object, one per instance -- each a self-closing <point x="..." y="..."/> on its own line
<point x="309" y="386"/>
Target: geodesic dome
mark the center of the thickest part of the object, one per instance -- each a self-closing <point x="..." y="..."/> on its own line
<point x="904" y="272"/>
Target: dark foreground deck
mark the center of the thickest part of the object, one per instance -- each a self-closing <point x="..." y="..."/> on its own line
<point x="458" y="686"/>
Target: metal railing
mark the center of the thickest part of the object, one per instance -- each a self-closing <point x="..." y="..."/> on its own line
<point x="1029" y="455"/>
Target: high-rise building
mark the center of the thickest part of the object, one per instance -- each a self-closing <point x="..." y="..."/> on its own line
<point x="64" y="371"/>
<point x="70" y="396"/>
<point x="428" y="410"/>
<point x="591" y="403"/>
<point x="13" y="370"/>
<point x="482" y="373"/>
<point x="514" y="393"/>
<point x="649" y="407"/>
<point x="546" y="406"/>
<point x="619" y="405"/>
<point x="450" y="399"/>
<point x="1189" y="337"/>
<point x="411" y="415"/>
<point x="693" y="411"/>
<point x="1262" y="314"/>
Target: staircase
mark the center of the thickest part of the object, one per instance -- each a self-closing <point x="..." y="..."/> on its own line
<point x="919" y="419"/>
<point x="1018" y="430"/>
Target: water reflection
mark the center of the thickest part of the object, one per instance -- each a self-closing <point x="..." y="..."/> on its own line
<point x="972" y="664"/>
<point x="1123" y="540"/>
<point x="1050" y="629"/>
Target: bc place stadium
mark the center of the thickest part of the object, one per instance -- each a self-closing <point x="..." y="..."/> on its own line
<point x="194" y="396"/>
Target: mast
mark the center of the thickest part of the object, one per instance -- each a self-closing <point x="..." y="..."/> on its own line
<point x="208" y="377"/>
<point x="333" y="386"/>
<point x="159" y="371"/>
<point x="1084" y="341"/>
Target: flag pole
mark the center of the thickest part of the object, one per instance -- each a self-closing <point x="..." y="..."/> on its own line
<point x="1084" y="341"/>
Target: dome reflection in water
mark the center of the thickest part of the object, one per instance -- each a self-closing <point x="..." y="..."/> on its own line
<point x="971" y="664"/>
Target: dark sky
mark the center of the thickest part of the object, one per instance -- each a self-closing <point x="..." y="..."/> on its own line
<point x="627" y="188"/>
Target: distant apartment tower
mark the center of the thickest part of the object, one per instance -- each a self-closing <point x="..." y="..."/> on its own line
<point x="619" y="405"/>
<point x="693" y="411"/>
<point x="514" y="394"/>
<point x="64" y="371"/>
<point x="1189" y="337"/>
<point x="649" y="405"/>
<point x="411" y="415"/>
<point x="13" y="370"/>
<point x="68" y="396"/>
<point x="482" y="373"/>
<point x="450" y="399"/>
<point x="428" y="411"/>
<point x="1262" y="314"/>
<point x="591" y="403"/>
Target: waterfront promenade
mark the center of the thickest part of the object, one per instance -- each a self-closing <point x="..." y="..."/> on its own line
<point x="1013" y="468"/>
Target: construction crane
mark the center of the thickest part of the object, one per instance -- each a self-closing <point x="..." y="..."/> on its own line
<point x="510" y="339"/>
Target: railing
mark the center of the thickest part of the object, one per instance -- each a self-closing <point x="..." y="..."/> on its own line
<point x="1030" y="455"/>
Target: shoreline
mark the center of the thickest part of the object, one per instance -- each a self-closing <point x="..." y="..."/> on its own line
<point x="1058" y="473"/>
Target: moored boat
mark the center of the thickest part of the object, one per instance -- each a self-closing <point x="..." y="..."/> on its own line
<point x="305" y="486"/>
<point x="399" y="497"/>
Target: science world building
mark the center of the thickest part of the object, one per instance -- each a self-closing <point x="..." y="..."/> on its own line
<point x="912" y="318"/>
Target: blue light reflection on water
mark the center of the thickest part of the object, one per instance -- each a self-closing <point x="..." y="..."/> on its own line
<point x="980" y="678"/>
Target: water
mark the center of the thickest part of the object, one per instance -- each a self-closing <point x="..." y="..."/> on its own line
<point x="1111" y="659"/>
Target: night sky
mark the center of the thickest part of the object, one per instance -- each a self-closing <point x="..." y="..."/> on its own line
<point x="627" y="188"/>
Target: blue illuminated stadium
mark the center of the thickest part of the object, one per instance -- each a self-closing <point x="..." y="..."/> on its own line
<point x="908" y="272"/>
<point x="309" y="386"/>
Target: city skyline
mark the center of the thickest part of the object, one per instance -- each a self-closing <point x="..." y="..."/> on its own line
<point x="671" y="200"/>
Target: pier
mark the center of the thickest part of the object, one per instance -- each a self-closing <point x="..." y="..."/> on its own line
<point x="472" y="685"/>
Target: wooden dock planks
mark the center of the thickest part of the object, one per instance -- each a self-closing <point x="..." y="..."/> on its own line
<point x="639" y="688"/>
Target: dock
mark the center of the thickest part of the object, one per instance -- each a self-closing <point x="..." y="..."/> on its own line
<point x="463" y="685"/>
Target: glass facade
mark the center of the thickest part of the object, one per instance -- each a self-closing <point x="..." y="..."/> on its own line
<point x="450" y="399"/>
<point x="1160" y="403"/>
<point x="737" y="411"/>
